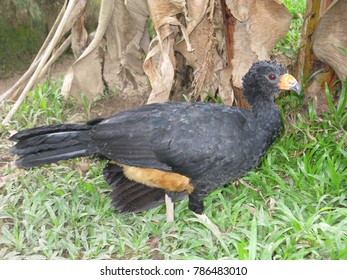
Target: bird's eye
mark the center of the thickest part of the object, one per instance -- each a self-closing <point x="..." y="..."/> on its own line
<point x="272" y="77"/>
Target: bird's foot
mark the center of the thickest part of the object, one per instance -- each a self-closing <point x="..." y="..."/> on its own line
<point x="205" y="220"/>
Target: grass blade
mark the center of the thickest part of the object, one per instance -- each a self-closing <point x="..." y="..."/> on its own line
<point x="253" y="240"/>
<point x="330" y="99"/>
<point x="343" y="99"/>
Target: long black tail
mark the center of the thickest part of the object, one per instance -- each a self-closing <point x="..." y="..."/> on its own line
<point x="48" y="144"/>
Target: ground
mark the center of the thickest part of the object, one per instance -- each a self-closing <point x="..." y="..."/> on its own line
<point x="119" y="99"/>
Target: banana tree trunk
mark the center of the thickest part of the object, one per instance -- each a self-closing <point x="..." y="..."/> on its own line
<point x="321" y="60"/>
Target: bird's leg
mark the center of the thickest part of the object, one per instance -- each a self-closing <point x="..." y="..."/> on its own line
<point x="196" y="204"/>
<point x="169" y="209"/>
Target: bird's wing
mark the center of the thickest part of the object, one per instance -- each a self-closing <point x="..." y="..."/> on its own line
<point x="125" y="138"/>
<point x="194" y="137"/>
<point x="186" y="138"/>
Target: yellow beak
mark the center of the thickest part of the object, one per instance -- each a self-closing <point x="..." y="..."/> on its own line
<point x="288" y="82"/>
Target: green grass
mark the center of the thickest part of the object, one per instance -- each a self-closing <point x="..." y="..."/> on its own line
<point x="44" y="105"/>
<point x="290" y="44"/>
<point x="54" y="212"/>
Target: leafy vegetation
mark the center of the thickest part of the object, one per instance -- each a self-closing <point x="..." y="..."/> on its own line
<point x="293" y="206"/>
<point x="290" y="45"/>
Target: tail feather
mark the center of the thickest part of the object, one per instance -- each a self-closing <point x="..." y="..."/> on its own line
<point x="41" y="130"/>
<point x="45" y="142"/>
<point x="132" y="197"/>
<point x="48" y="144"/>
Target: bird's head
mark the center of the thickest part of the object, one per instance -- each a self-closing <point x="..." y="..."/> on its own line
<point x="266" y="79"/>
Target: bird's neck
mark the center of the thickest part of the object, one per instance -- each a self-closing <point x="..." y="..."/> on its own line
<point x="268" y="121"/>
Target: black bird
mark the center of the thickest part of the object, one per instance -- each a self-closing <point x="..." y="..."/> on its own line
<point x="175" y="148"/>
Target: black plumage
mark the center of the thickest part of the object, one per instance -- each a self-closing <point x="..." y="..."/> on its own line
<point x="206" y="145"/>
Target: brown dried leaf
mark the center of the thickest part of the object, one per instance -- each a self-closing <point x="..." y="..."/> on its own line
<point x="82" y="168"/>
<point x="239" y="9"/>
<point x="271" y="204"/>
<point x="161" y="76"/>
<point x="125" y="29"/>
<point x="85" y="75"/>
<point x="315" y="91"/>
<point x="330" y="35"/>
<point x="127" y="35"/>
<point x="160" y="62"/>
<point x="251" y="209"/>
<point x="225" y="89"/>
<point x="154" y="242"/>
<point x="79" y="36"/>
<point x="78" y="10"/>
<point x="205" y="60"/>
<point x="260" y="25"/>
<point x="243" y="55"/>
<point x="270" y="21"/>
<point x="197" y="11"/>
